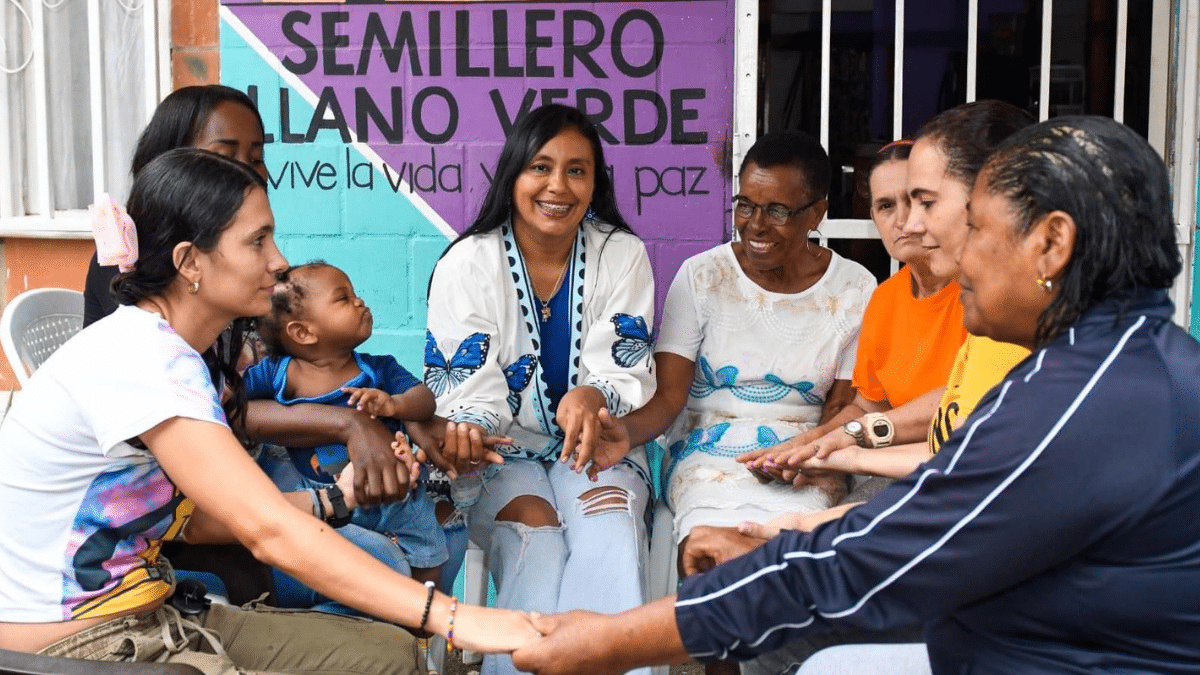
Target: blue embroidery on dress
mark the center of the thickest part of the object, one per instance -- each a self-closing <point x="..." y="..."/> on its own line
<point x="486" y="419"/>
<point x="703" y="439"/>
<point x="441" y="375"/>
<point x="709" y="381"/>
<point x="767" y="437"/>
<point x="612" y="400"/>
<point x="633" y="340"/>
<point x="518" y="374"/>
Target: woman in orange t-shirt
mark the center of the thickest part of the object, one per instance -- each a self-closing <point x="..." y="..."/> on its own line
<point x="913" y="323"/>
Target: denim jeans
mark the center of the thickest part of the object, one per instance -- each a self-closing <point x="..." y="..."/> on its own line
<point x="401" y="535"/>
<point x="594" y="560"/>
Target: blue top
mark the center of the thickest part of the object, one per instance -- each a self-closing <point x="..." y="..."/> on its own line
<point x="1055" y="532"/>
<point x="268" y="379"/>
<point x="556" y="345"/>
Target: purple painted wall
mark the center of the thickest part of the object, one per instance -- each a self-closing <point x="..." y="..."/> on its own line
<point x="431" y="87"/>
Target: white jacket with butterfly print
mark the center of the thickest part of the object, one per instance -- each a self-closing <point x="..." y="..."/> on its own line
<point x="483" y="344"/>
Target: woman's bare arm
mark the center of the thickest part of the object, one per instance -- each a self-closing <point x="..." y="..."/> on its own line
<point x="229" y="487"/>
<point x="674" y="374"/>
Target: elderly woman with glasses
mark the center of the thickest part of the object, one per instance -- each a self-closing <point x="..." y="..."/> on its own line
<point x="757" y="344"/>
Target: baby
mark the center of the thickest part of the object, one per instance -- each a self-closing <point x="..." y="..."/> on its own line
<point x="315" y="324"/>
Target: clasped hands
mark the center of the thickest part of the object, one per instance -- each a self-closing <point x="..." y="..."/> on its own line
<point x="592" y="438"/>
<point x="560" y="644"/>
<point x="586" y="643"/>
<point x="803" y="459"/>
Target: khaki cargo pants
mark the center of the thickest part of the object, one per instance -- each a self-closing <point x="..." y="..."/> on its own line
<point x="226" y="640"/>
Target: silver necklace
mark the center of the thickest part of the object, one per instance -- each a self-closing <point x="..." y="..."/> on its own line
<point x="546" y="303"/>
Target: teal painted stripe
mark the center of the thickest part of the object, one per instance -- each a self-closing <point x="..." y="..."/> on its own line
<point x="386" y="246"/>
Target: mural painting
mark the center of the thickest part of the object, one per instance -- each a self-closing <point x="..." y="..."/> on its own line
<point x="384" y="121"/>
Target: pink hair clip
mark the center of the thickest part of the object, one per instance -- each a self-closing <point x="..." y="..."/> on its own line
<point x="893" y="144"/>
<point x="116" y="236"/>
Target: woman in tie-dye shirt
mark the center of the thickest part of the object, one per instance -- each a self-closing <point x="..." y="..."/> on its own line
<point x="107" y="457"/>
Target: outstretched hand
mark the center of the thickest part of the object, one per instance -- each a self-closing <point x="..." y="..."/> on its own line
<point x="796" y="448"/>
<point x="493" y="631"/>
<point x="611" y="445"/>
<point x="803" y="522"/>
<point x="794" y="459"/>
<point x="579" y="418"/>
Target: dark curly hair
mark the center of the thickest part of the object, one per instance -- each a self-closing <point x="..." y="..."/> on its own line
<point x="287" y="302"/>
<point x="792" y="148"/>
<point x="1114" y="186"/>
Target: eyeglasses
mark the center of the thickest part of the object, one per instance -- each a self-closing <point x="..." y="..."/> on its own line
<point x="775" y="213"/>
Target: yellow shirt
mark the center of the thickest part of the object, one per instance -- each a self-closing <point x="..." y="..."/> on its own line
<point x="981" y="364"/>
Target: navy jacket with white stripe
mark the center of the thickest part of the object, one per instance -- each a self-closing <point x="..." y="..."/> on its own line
<point x="1057" y="531"/>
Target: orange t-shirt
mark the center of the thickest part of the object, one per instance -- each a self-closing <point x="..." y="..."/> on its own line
<point x="907" y="345"/>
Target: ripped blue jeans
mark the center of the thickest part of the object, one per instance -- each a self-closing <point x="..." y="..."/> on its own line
<point x="595" y="559"/>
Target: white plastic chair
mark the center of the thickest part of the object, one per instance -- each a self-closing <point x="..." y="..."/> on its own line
<point x="35" y="324"/>
<point x="664" y="572"/>
<point x="475" y="589"/>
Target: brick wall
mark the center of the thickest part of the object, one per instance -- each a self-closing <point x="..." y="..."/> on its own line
<point x="195" y="42"/>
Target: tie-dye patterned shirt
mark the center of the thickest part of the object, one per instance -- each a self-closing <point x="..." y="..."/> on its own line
<point x="85" y="511"/>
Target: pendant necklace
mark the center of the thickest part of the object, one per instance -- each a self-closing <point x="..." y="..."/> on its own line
<point x="546" y="303"/>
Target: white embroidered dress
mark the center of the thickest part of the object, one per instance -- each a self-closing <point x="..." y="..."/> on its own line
<point x="764" y="364"/>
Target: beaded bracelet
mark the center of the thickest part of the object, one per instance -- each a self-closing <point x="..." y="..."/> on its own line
<point x="428" y="605"/>
<point x="450" y="624"/>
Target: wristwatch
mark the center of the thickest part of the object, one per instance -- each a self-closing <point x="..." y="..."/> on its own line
<point x="879" y="429"/>
<point x="857" y="431"/>
<point x="341" y="514"/>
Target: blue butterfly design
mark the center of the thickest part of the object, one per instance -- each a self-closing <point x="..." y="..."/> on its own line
<point x="633" y="340"/>
<point x="703" y="439"/>
<point x="442" y="376"/>
<point x="518" y="374"/>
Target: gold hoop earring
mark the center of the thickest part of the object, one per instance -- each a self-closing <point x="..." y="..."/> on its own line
<point x="194" y="287"/>
<point x="1045" y="284"/>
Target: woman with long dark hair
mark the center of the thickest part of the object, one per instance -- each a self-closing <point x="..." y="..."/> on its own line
<point x="539" y="328"/>
<point x="211" y="116"/>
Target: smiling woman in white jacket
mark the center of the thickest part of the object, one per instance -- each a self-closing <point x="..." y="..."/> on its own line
<point x="539" y="329"/>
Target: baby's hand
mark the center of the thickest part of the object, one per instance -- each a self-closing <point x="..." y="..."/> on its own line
<point x="375" y="402"/>
<point x="405" y="455"/>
